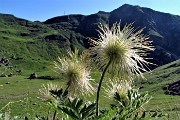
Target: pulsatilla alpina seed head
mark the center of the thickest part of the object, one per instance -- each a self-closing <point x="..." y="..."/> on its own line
<point x="74" y="70"/>
<point x="124" y="48"/>
<point x="45" y="91"/>
<point x="118" y="86"/>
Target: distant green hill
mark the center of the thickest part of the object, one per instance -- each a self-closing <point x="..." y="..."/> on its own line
<point x="31" y="45"/>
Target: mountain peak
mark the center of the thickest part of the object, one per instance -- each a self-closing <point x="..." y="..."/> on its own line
<point x="102" y="12"/>
<point x="126" y="5"/>
<point x="130" y="8"/>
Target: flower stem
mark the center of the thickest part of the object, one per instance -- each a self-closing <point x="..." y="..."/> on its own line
<point x="54" y="116"/>
<point x="99" y="87"/>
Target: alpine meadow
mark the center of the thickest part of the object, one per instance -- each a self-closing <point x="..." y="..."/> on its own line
<point x="105" y="66"/>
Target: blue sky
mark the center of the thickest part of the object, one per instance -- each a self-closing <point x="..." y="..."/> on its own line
<point x="44" y="9"/>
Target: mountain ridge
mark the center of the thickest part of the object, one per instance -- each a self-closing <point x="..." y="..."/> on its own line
<point x="70" y="31"/>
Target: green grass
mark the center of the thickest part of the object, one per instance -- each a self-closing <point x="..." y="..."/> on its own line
<point x="154" y="84"/>
<point x="27" y="40"/>
<point x="24" y="93"/>
<point x="20" y="88"/>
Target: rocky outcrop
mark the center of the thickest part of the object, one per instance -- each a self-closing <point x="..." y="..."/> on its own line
<point x="32" y="76"/>
<point x="173" y="89"/>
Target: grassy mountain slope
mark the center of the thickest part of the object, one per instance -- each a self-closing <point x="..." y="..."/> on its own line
<point x="161" y="77"/>
<point x="44" y="41"/>
<point x="156" y="81"/>
<point x="31" y="45"/>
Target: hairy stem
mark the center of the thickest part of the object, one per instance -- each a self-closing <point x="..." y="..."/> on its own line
<point x="99" y="87"/>
<point x="54" y="116"/>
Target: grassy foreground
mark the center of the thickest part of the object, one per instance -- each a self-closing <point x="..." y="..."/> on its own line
<point x="23" y="93"/>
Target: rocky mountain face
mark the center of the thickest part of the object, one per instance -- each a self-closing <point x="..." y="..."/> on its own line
<point x="73" y="30"/>
<point x="163" y="29"/>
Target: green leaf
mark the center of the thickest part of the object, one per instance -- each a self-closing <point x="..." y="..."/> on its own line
<point x="79" y="103"/>
<point x="69" y="112"/>
<point x="89" y="110"/>
<point x="73" y="103"/>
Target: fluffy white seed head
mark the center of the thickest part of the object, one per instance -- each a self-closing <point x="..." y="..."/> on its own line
<point x="73" y="69"/>
<point x="118" y="86"/>
<point x="45" y="91"/>
<point x="125" y="48"/>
